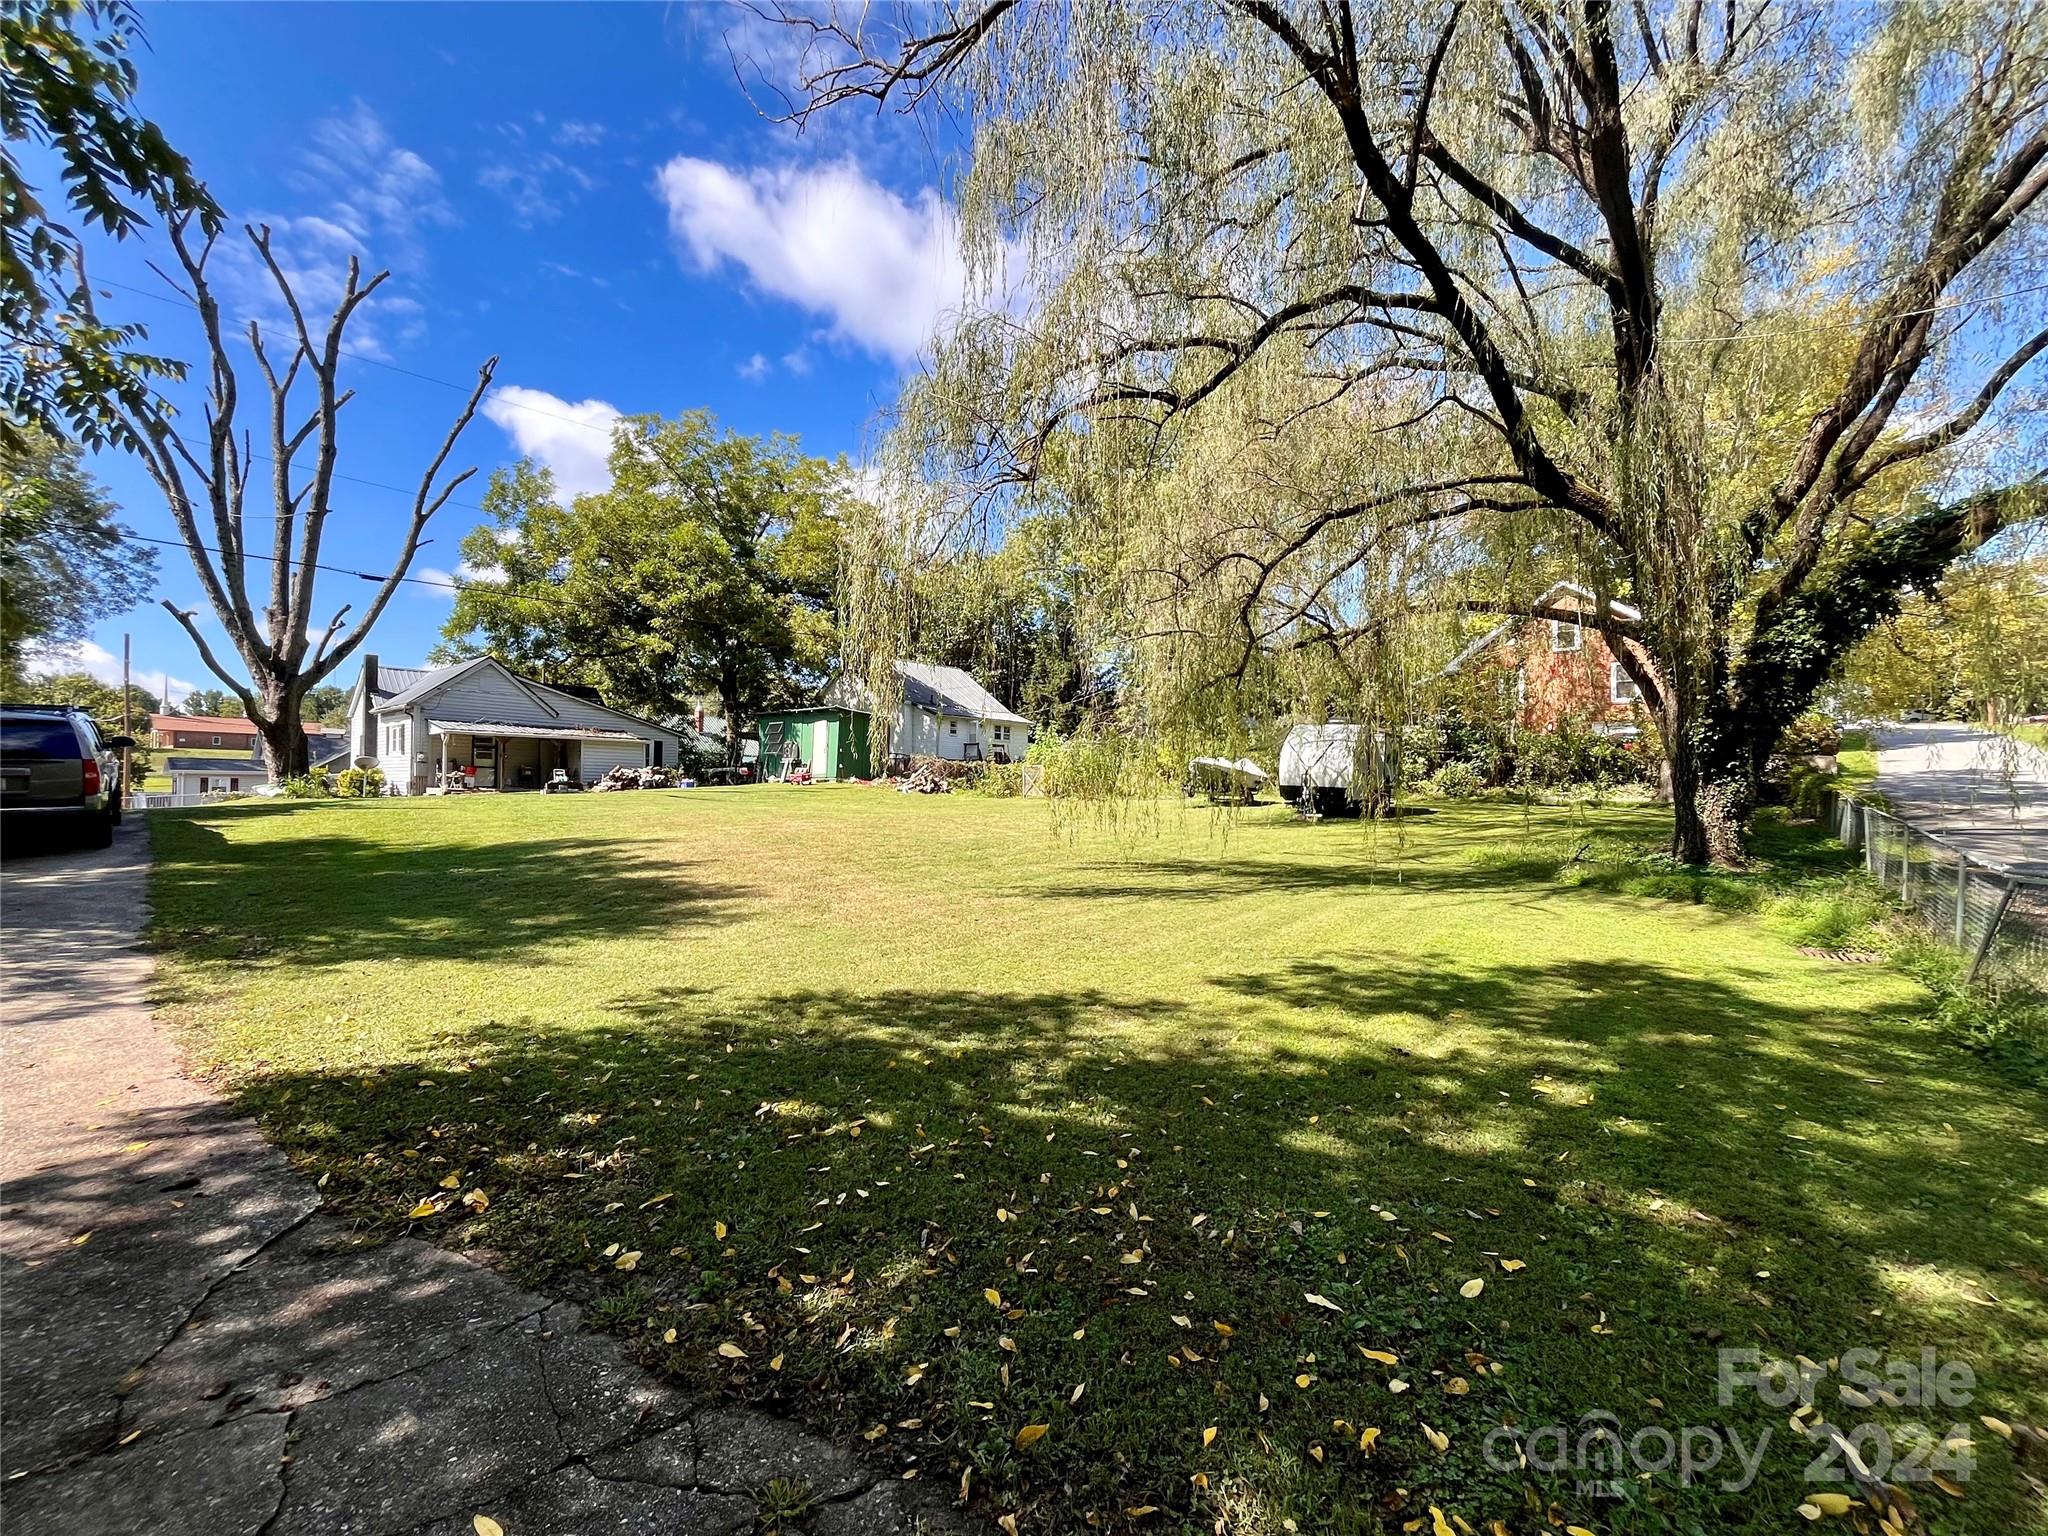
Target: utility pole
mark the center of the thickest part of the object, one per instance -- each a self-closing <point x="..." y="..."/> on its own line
<point x="127" y="784"/>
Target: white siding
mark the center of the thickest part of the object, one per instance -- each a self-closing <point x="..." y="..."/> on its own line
<point x="600" y="757"/>
<point x="486" y="693"/>
<point x="395" y="759"/>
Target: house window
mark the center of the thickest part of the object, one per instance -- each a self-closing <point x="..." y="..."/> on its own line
<point x="216" y="741"/>
<point x="1002" y="733"/>
<point x="1566" y="636"/>
<point x="952" y="727"/>
<point x="1621" y="688"/>
<point x="233" y="785"/>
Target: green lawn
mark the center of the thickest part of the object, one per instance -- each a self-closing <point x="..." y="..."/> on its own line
<point x="954" y="1119"/>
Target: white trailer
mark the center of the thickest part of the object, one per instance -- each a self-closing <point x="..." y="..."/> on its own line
<point x="1336" y="770"/>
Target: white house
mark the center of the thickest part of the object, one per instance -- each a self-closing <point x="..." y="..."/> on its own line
<point x="498" y="729"/>
<point x="945" y="713"/>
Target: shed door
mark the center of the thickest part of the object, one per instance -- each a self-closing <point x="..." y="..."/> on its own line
<point x="821" y="744"/>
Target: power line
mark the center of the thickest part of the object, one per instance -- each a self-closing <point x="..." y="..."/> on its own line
<point x="373" y="362"/>
<point x="485" y="587"/>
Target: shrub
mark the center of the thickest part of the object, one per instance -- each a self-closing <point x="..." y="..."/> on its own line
<point x="1001" y="781"/>
<point x="1571" y="756"/>
<point x="307" y="786"/>
<point x="359" y="783"/>
<point x="1457" y="780"/>
<point x="1810" y="736"/>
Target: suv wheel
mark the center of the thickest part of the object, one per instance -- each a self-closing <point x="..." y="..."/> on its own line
<point x="99" y="832"/>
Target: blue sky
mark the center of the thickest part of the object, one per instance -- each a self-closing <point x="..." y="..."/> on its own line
<point x="585" y="191"/>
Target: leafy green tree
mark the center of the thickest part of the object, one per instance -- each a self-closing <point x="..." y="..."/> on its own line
<point x="1976" y="646"/>
<point x="212" y="701"/>
<point x="65" y="562"/>
<point x="100" y="700"/>
<point x="67" y="82"/>
<point x="1346" y="323"/>
<point x="328" y="704"/>
<point x="706" y="568"/>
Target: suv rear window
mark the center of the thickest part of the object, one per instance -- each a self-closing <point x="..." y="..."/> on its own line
<point x="24" y="737"/>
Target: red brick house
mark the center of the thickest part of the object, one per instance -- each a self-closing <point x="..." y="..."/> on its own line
<point x="226" y="733"/>
<point x="1561" y="671"/>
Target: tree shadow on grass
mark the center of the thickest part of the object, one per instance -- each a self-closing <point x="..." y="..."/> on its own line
<point x="347" y="898"/>
<point x="837" y="1177"/>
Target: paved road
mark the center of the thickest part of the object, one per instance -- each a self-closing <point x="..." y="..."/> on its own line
<point x="192" y="1348"/>
<point x="1985" y="793"/>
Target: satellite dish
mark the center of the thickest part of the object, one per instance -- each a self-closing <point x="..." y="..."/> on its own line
<point x="364" y="762"/>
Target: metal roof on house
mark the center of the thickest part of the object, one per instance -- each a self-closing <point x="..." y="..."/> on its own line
<point x="951" y="691"/>
<point x="187" y="763"/>
<point x="426" y="680"/>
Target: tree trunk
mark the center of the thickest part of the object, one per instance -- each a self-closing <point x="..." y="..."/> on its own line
<point x="729" y="701"/>
<point x="1715" y="762"/>
<point x="285" y="755"/>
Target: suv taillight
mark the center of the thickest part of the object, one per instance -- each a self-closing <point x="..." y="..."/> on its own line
<point x="92" y="775"/>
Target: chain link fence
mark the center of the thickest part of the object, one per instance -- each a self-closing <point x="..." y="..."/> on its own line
<point x="1997" y="919"/>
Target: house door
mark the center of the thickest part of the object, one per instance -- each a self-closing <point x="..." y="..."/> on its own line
<point x="821" y="745"/>
<point x="484" y="753"/>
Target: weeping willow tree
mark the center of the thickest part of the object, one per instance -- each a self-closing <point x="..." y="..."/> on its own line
<point x="1335" y="327"/>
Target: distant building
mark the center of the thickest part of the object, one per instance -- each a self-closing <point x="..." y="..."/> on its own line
<point x="230" y="733"/>
<point x="480" y="719"/>
<point x="945" y="713"/>
<point x="1562" y="671"/>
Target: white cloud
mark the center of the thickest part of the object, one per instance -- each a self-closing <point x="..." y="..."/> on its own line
<point x="537" y="187"/>
<point x="755" y="368"/>
<point x="797" y="362"/>
<point x="377" y="190"/>
<point x="433" y="583"/>
<point x="886" y="273"/>
<point x="87" y="656"/>
<point x="578" y="135"/>
<point x="572" y="439"/>
<point x="373" y="198"/>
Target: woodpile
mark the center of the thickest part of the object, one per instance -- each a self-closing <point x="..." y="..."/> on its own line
<point x="635" y="778"/>
<point x="923" y="780"/>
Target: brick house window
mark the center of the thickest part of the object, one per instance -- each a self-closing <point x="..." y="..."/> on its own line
<point x="1621" y="688"/>
<point x="1566" y="637"/>
<point x="216" y="741"/>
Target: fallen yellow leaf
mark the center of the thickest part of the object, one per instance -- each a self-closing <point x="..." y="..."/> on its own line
<point x="669" y="1337"/>
<point x="421" y="1211"/>
<point x="1031" y="1434"/>
<point x="993" y="1296"/>
<point x="1438" y="1525"/>
<point x="732" y="1352"/>
<point x="453" y="1181"/>
<point x="1384" y="1356"/>
<point x="1367" y="1439"/>
<point x="1440" y="1441"/>
<point x="1833" y="1503"/>
<point x="629" y="1260"/>
<point x="1471" y="1288"/>
<point x="1209" y="1437"/>
<point x="484" y="1525"/>
<point x="718" y="1230"/>
<point x="1511" y="1265"/>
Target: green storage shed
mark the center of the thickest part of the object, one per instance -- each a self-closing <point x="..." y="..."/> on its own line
<point x="832" y="742"/>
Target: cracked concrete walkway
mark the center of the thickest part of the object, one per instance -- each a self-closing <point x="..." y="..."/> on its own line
<point x="190" y="1346"/>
